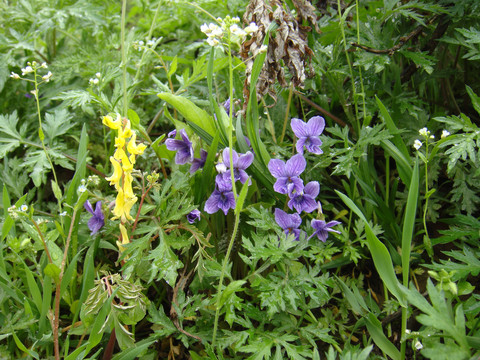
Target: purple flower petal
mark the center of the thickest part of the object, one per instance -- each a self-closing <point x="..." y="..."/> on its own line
<point x="276" y="168"/>
<point x="172" y="133"/>
<point x="245" y="160"/>
<point x="183" y="147"/>
<point x="299" y="127"/>
<point x="315" y="126"/>
<point x="312" y="189"/>
<point x="88" y="207"/>
<point x="288" y="222"/>
<point x="199" y="163"/>
<point x="322" y="229"/>
<point x="193" y="216"/>
<point x="296" y="165"/>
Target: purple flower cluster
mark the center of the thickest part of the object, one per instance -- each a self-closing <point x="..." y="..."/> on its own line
<point x="287" y="174"/>
<point x="222" y="197"/>
<point x="97" y="221"/>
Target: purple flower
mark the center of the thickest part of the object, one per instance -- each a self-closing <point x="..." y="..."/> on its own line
<point x="304" y="200"/>
<point x="172" y="133"/>
<point x="288" y="222"/>
<point x="193" y="216"/>
<point x="287" y="174"/>
<point x="322" y="228"/>
<point x="199" y="163"/>
<point x="226" y="106"/>
<point x="97" y="221"/>
<point x="240" y="163"/>
<point x="308" y="134"/>
<point x="222" y="197"/>
<point x="183" y="148"/>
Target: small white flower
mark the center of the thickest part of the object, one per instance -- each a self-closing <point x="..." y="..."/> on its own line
<point x="151" y="42"/>
<point x="14" y="76"/>
<point x="27" y="70"/>
<point x="221" y="168"/>
<point x="263" y="49"/>
<point x="424" y="132"/>
<point x="407" y="331"/>
<point x="82" y="188"/>
<point x="63" y="213"/>
<point x="418" y="345"/>
<point x="34" y="93"/>
<point x="24" y="208"/>
<point x="94" y="81"/>
<point x="432" y="136"/>
<point x="47" y="77"/>
<point x="445" y="133"/>
<point x="98" y="75"/>
<point x="251" y="28"/>
<point x="417" y="144"/>
<point x="44" y="65"/>
<point x="212" y="42"/>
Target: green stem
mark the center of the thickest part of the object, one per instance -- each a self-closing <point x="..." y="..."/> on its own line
<point x="349" y="65"/>
<point x="230" y="126"/>
<point x="360" y="68"/>
<point x="124" y="60"/>
<point x="222" y="276"/>
<point x="403" y="340"/>
<point x="426" y="239"/>
<point x="41" y="135"/>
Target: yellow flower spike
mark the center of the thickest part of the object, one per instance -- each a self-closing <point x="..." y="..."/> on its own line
<point x="119" y="139"/>
<point x="112" y="124"/>
<point x="123" y="205"/>
<point x="125" y="239"/>
<point x="132" y="159"/>
<point x="117" y="172"/>
<point x="133" y="148"/>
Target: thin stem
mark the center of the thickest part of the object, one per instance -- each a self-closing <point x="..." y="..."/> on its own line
<point x="43" y="240"/>
<point x="41" y="135"/>
<point x="427" y="242"/>
<point x="230" y="127"/>
<point x="360" y="68"/>
<point x="287" y="113"/>
<point x="124" y="59"/>
<point x="56" y="319"/>
<point x="349" y="64"/>
<point x="222" y="276"/>
<point x="403" y="340"/>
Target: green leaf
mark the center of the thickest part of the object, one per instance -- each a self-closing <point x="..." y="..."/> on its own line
<point x="52" y="271"/>
<point x="173" y="67"/>
<point x="191" y="112"/>
<point x="374" y="327"/>
<point x="8" y="126"/>
<point x="165" y="263"/>
<point x="475" y="99"/>
<point x="381" y="257"/>
<point x="409" y="223"/>
<point x="33" y="289"/>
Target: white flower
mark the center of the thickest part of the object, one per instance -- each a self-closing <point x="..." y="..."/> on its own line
<point x="424" y="132"/>
<point x="418" y="345"/>
<point x="212" y="42"/>
<point x="98" y="75"/>
<point x="44" y="65"/>
<point x="251" y="28"/>
<point x="432" y="136"/>
<point x="27" y="70"/>
<point x="34" y="92"/>
<point x="82" y="188"/>
<point x="445" y="133"/>
<point x="263" y="49"/>
<point x="47" y="77"/>
<point x="24" y="208"/>
<point x="221" y="168"/>
<point x="63" y="213"/>
<point x="94" y="81"/>
<point x="14" y="76"/>
<point x="417" y="144"/>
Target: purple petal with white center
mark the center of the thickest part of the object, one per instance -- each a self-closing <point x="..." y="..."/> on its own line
<point x="313" y="145"/>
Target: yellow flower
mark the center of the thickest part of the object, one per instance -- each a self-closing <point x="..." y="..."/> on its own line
<point x="123" y="205"/>
<point x="127" y="131"/>
<point x="127" y="185"/>
<point x="117" y="172"/>
<point x="133" y="148"/>
<point x="125" y="239"/>
<point x="112" y="124"/>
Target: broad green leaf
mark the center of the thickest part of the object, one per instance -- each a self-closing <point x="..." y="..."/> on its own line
<point x="409" y="223"/>
<point x="381" y="256"/>
<point x="374" y="327"/>
<point x="190" y="112"/>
